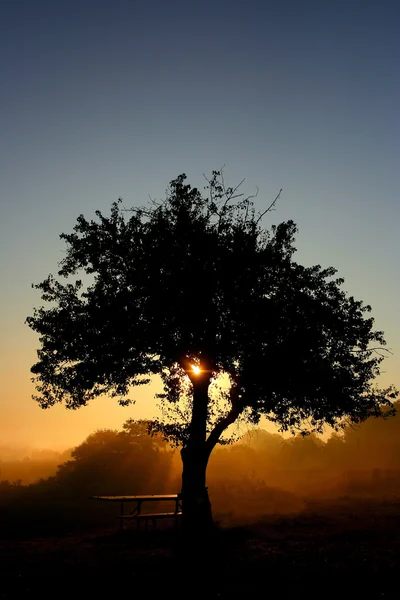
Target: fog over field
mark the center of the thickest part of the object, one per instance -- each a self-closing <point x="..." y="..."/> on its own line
<point x="261" y="474"/>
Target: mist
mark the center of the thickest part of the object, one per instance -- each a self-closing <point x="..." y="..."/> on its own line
<point x="263" y="474"/>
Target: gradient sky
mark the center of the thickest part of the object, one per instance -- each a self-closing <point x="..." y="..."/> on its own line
<point x="101" y="99"/>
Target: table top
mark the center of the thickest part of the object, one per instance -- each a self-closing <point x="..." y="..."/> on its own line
<point x="137" y="498"/>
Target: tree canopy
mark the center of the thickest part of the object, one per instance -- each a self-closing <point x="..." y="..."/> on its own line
<point x="197" y="281"/>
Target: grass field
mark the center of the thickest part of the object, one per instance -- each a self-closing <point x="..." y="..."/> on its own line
<point x="348" y="548"/>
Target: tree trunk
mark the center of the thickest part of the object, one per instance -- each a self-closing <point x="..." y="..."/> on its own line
<point x="197" y="516"/>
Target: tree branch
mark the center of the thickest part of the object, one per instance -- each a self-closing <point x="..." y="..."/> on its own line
<point x="379" y="350"/>
<point x="236" y="408"/>
<point x="270" y="207"/>
<point x="219" y="428"/>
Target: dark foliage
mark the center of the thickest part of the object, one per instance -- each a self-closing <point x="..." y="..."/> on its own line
<point x="197" y="280"/>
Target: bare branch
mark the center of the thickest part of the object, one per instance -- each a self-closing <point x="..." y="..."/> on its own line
<point x="247" y="211"/>
<point x="232" y="195"/>
<point x="270" y="207"/>
<point x="378" y="350"/>
<point x="251" y="196"/>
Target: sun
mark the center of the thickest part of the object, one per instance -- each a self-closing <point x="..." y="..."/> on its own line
<point x="196" y="369"/>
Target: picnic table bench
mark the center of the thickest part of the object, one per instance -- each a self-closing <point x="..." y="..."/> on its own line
<point x="138" y="501"/>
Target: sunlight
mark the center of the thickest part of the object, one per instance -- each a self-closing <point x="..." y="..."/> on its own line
<point x="196" y="369"/>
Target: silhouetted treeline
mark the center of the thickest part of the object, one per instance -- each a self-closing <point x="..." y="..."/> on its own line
<point x="264" y="473"/>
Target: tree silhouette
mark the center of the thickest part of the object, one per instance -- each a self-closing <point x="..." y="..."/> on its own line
<point x="119" y="462"/>
<point x="191" y="288"/>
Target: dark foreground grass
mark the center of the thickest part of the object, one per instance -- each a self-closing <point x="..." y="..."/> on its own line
<point x="346" y="549"/>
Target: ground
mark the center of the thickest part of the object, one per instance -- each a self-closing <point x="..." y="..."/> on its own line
<point x="344" y="549"/>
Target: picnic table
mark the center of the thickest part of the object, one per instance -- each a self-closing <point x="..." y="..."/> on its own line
<point x="138" y="501"/>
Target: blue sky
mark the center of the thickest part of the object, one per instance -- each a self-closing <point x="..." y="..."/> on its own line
<point x="106" y="99"/>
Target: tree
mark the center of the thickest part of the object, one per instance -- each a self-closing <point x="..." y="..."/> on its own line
<point x="119" y="462"/>
<point x="191" y="288"/>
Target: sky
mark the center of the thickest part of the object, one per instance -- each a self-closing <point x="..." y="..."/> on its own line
<point x="106" y="99"/>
